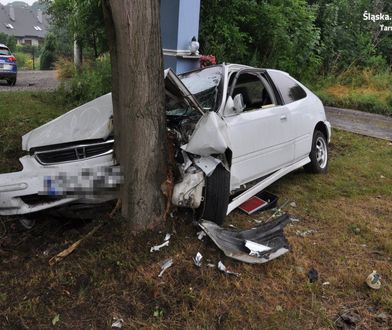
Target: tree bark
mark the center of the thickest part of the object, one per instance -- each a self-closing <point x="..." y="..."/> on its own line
<point x="133" y="29"/>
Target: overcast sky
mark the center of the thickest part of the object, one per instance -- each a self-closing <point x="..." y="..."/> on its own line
<point x="4" y="2"/>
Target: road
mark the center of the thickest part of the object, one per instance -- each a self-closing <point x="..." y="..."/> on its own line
<point x="32" y="81"/>
<point x="360" y="122"/>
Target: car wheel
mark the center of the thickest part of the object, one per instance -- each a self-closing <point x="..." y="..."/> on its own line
<point x="216" y="196"/>
<point x="11" y="82"/>
<point x="318" y="155"/>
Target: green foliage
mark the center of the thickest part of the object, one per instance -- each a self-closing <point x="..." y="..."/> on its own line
<point x="80" y="19"/>
<point x="9" y="41"/>
<point x="91" y="82"/>
<point x="279" y="34"/>
<point x="24" y="61"/>
<point x="48" y="56"/>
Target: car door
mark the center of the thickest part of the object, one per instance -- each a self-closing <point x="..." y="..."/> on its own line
<point x="260" y="136"/>
<point x="302" y="116"/>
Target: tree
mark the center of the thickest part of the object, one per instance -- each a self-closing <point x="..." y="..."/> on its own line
<point x="133" y="32"/>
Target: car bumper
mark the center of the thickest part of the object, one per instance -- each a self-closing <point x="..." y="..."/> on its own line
<point x="7" y="75"/>
<point x="25" y="191"/>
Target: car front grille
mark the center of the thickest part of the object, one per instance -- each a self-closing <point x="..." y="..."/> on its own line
<point x="74" y="153"/>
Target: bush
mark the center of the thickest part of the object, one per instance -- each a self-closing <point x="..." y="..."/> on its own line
<point x="65" y="68"/>
<point x="92" y="81"/>
<point x="23" y="60"/>
<point x="48" y="54"/>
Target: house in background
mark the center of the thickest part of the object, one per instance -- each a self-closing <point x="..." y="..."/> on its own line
<point x="27" y="25"/>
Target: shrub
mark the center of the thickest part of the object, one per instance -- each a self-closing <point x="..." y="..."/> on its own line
<point x="92" y="81"/>
<point x="23" y="60"/>
<point x="65" y="68"/>
<point x="48" y="54"/>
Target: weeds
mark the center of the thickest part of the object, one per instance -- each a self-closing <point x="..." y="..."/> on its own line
<point x="366" y="90"/>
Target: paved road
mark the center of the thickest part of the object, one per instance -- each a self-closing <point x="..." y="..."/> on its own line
<point x="359" y="122"/>
<point x="32" y="81"/>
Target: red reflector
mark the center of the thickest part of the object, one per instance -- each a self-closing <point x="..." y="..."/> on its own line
<point x="11" y="59"/>
<point x="252" y="205"/>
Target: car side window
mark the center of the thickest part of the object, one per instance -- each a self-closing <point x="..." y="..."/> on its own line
<point x="287" y="86"/>
<point x="253" y="91"/>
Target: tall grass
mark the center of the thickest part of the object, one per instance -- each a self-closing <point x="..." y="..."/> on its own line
<point x="361" y="89"/>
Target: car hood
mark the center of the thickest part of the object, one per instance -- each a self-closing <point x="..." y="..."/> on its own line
<point x="93" y="120"/>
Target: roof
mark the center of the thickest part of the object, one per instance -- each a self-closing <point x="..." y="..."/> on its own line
<point x="26" y="22"/>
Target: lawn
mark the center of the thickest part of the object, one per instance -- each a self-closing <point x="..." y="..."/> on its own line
<point x="113" y="274"/>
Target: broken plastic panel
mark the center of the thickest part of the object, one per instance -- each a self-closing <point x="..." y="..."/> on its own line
<point x="235" y="244"/>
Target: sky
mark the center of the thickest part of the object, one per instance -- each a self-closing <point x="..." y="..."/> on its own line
<point x="4" y="2"/>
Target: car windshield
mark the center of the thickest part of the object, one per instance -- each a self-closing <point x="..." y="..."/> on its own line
<point x="205" y="85"/>
<point x="4" y="51"/>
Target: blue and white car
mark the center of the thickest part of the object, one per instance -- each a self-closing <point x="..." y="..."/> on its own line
<point x="8" y="67"/>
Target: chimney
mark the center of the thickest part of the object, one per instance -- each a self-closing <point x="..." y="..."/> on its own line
<point x="39" y="16"/>
<point x="12" y="13"/>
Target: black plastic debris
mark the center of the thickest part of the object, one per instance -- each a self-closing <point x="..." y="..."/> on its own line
<point x="267" y="239"/>
<point x="313" y="275"/>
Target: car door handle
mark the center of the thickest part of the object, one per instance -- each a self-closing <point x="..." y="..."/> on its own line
<point x="283" y="117"/>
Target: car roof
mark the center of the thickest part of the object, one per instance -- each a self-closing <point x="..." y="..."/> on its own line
<point x="3" y="46"/>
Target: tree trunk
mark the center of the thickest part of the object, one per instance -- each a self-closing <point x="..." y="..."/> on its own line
<point x="133" y="28"/>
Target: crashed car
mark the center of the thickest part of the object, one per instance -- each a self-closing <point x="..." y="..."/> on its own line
<point x="235" y="130"/>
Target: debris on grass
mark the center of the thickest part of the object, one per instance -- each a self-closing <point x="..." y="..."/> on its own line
<point x="27" y="223"/>
<point x="165" y="265"/>
<point x="382" y="317"/>
<point x="117" y="323"/>
<point x="305" y="233"/>
<point x="201" y="234"/>
<point x="347" y="319"/>
<point x="57" y="258"/>
<point x="256" y="248"/>
<point x="260" y="202"/>
<point x="293" y="204"/>
<point x="197" y="259"/>
<point x="56" y="319"/>
<point x="223" y="269"/>
<point x="166" y="242"/>
<point x="233" y="242"/>
<point x="374" y="280"/>
<point x="313" y="275"/>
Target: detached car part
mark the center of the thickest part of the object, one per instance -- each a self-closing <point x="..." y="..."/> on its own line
<point x="257" y="245"/>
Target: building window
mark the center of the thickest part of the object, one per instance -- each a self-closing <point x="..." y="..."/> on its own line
<point x="9" y="26"/>
<point x="28" y="42"/>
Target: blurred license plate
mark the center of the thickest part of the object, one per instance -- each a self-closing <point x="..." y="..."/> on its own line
<point x="85" y="182"/>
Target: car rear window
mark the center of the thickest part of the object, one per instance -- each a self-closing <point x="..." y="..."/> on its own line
<point x="288" y="87"/>
<point x="4" y="51"/>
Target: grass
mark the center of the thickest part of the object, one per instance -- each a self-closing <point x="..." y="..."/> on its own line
<point x="113" y="274"/>
<point x="355" y="89"/>
<point x="21" y="112"/>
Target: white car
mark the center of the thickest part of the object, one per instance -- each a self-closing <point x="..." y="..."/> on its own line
<point x="236" y="129"/>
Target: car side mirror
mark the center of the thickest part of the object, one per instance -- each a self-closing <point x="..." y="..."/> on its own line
<point x="234" y="107"/>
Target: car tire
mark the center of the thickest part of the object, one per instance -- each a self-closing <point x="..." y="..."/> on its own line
<point x="318" y="155"/>
<point x="216" y="196"/>
<point x="11" y="82"/>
